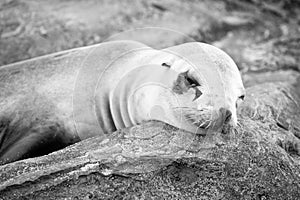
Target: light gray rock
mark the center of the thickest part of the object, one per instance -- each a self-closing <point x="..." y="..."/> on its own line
<point x="259" y="160"/>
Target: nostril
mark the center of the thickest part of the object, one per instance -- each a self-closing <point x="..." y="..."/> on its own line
<point x="226" y="114"/>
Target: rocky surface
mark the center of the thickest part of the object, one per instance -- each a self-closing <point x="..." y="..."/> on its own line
<point x="259" y="160"/>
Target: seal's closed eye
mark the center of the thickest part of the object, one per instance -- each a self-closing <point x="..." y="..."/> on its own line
<point x="184" y="82"/>
<point x="192" y="82"/>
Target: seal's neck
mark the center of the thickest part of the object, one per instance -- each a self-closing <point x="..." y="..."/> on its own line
<point x="143" y="94"/>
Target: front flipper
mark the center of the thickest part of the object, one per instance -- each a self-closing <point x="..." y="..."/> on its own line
<point x="20" y="142"/>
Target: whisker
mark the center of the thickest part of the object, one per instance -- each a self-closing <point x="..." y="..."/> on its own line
<point x="193" y="120"/>
<point x="189" y="117"/>
<point x="213" y="125"/>
<point x="190" y="109"/>
<point x="209" y="125"/>
<point x="203" y="123"/>
<point x="183" y="107"/>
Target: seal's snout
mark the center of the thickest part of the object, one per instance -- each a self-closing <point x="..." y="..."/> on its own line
<point x="226" y="115"/>
<point x="227" y="119"/>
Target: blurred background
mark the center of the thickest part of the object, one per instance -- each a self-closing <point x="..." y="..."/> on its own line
<point x="262" y="36"/>
<point x="259" y="35"/>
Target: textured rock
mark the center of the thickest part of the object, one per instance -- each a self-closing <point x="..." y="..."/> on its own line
<point x="259" y="160"/>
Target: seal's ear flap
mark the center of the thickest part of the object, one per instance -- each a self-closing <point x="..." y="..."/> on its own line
<point x="169" y="63"/>
<point x="181" y="84"/>
<point x="166" y="64"/>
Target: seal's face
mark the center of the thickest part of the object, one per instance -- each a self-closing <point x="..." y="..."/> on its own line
<point x="193" y="86"/>
<point x="208" y="92"/>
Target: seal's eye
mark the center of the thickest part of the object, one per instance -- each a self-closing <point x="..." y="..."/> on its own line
<point x="192" y="82"/>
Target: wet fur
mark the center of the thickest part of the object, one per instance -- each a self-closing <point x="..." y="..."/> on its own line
<point x="33" y="125"/>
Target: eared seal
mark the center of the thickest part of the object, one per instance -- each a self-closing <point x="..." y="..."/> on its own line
<point x="50" y="102"/>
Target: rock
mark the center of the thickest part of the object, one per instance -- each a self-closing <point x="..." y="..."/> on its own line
<point x="259" y="160"/>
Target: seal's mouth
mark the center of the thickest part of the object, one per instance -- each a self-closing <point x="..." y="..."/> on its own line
<point x="209" y="119"/>
<point x="202" y="119"/>
<point x="202" y="124"/>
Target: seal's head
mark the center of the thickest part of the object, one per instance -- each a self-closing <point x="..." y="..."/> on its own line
<point x="209" y="87"/>
<point x="193" y="86"/>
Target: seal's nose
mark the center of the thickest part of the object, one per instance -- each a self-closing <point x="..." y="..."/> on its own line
<point x="226" y="114"/>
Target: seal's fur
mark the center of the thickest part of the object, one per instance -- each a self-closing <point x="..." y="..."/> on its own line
<point x="54" y="101"/>
<point x="30" y="132"/>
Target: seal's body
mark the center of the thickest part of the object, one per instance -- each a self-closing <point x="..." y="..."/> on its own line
<point x="53" y="101"/>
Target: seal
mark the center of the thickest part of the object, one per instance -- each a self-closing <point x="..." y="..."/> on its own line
<point x="53" y="101"/>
